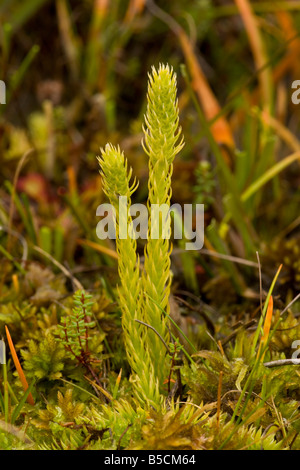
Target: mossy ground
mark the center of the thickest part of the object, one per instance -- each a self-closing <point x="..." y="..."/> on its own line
<point x="76" y="76"/>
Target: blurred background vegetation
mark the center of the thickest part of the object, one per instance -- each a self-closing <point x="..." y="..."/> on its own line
<point x="76" y="78"/>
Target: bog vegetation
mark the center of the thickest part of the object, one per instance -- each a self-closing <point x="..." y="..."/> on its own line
<point x="142" y="344"/>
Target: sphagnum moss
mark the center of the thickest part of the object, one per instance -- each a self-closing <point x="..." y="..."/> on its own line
<point x="144" y="298"/>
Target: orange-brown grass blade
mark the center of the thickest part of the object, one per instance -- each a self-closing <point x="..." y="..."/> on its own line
<point x="257" y="48"/>
<point x="101" y="7"/>
<point x="16" y="284"/>
<point x="282" y="131"/>
<point x="135" y="7"/>
<point x="21" y="374"/>
<point x="220" y="129"/>
<point x="268" y="320"/>
<point x="97" y="247"/>
<point x="266" y="327"/>
<point x="291" y="59"/>
<point x="72" y="180"/>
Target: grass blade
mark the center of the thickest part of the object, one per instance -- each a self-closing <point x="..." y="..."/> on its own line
<point x="21" y="403"/>
<point x="21" y="374"/>
<point x="269" y="174"/>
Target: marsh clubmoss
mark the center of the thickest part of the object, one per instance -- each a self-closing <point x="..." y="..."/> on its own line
<point x="145" y="296"/>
